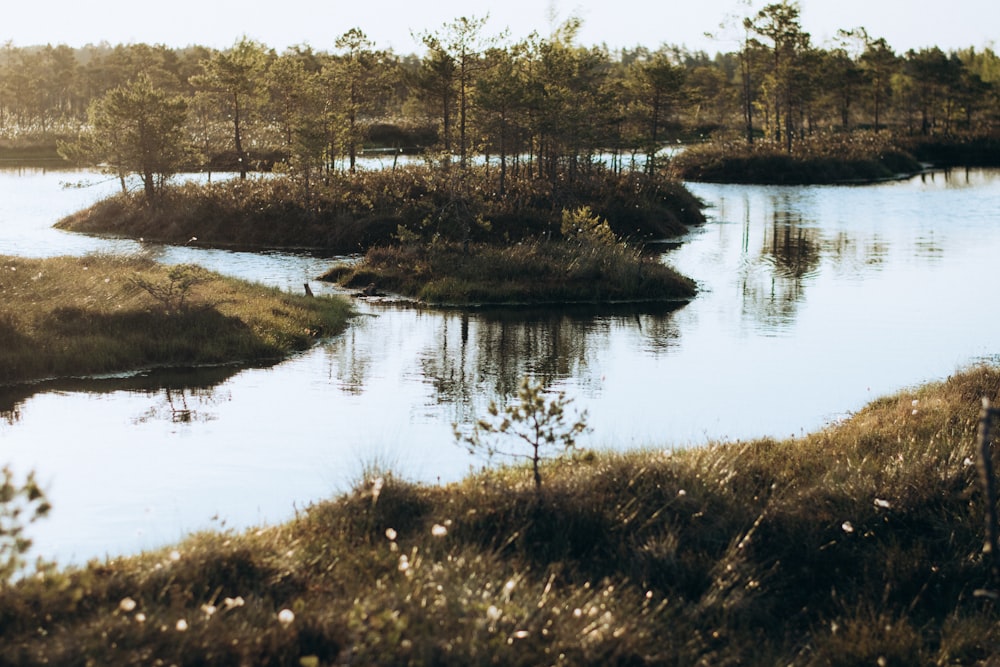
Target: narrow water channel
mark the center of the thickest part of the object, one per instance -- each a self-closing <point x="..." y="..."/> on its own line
<point x="814" y="301"/>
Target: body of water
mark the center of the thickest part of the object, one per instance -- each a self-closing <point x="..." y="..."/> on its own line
<point x="814" y="300"/>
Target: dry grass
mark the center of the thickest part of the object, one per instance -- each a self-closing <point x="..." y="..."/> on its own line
<point x="532" y="272"/>
<point x="97" y="314"/>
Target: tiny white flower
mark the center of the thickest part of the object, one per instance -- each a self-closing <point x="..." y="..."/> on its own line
<point x="493" y="613"/>
<point x="140" y="617"/>
<point x="286" y="616"/>
<point x="438" y="530"/>
<point x="404" y="563"/>
<point x="884" y="504"/>
<point x="230" y="603"/>
<point x="847" y="527"/>
<point x="391" y="534"/>
<point x="175" y="555"/>
<point x="182" y="625"/>
<point x="682" y="493"/>
<point x="208" y="609"/>
<point x="127" y="605"/>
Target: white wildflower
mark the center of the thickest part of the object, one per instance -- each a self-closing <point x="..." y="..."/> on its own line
<point x="286" y="616"/>
<point x="391" y="534"/>
<point x="182" y="625"/>
<point x="847" y="527"/>
<point x="231" y="603"/>
<point x="438" y="530"/>
<point x="127" y="605"/>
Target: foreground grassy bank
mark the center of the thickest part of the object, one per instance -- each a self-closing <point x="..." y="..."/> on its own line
<point x="857" y="545"/>
<point x="849" y="158"/>
<point x="104" y="314"/>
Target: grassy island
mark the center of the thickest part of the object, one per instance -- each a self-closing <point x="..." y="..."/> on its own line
<point x="106" y="314"/>
<point x="349" y="213"/>
<point x="860" y="544"/>
<point x="533" y="272"/>
<point x="848" y="158"/>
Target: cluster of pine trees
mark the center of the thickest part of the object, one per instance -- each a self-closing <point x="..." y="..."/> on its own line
<point x="545" y="104"/>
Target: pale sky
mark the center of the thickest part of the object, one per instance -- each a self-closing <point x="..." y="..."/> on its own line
<point x="281" y="23"/>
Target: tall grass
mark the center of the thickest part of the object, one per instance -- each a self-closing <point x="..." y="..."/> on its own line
<point x="91" y="315"/>
<point x="859" y="544"/>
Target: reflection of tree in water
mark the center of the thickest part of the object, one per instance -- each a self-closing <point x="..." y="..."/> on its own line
<point x="350" y="355"/>
<point x="176" y="386"/>
<point x="483" y="356"/>
<point x="774" y="284"/>
<point x="183" y="405"/>
<point x="853" y="257"/>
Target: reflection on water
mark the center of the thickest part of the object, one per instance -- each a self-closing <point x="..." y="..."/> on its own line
<point x="813" y="301"/>
<point x="183" y="382"/>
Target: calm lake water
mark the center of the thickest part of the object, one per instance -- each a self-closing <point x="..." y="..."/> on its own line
<point x="814" y="300"/>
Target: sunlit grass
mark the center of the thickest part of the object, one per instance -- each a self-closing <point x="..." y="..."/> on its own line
<point x="91" y="315"/>
<point x="531" y="272"/>
<point x="859" y="544"/>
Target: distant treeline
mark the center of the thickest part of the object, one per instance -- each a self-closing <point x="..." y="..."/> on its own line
<point x="476" y="94"/>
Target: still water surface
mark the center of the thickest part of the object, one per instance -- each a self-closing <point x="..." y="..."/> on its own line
<point x="814" y="301"/>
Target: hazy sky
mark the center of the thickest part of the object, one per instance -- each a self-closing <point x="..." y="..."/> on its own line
<point x="281" y="23"/>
